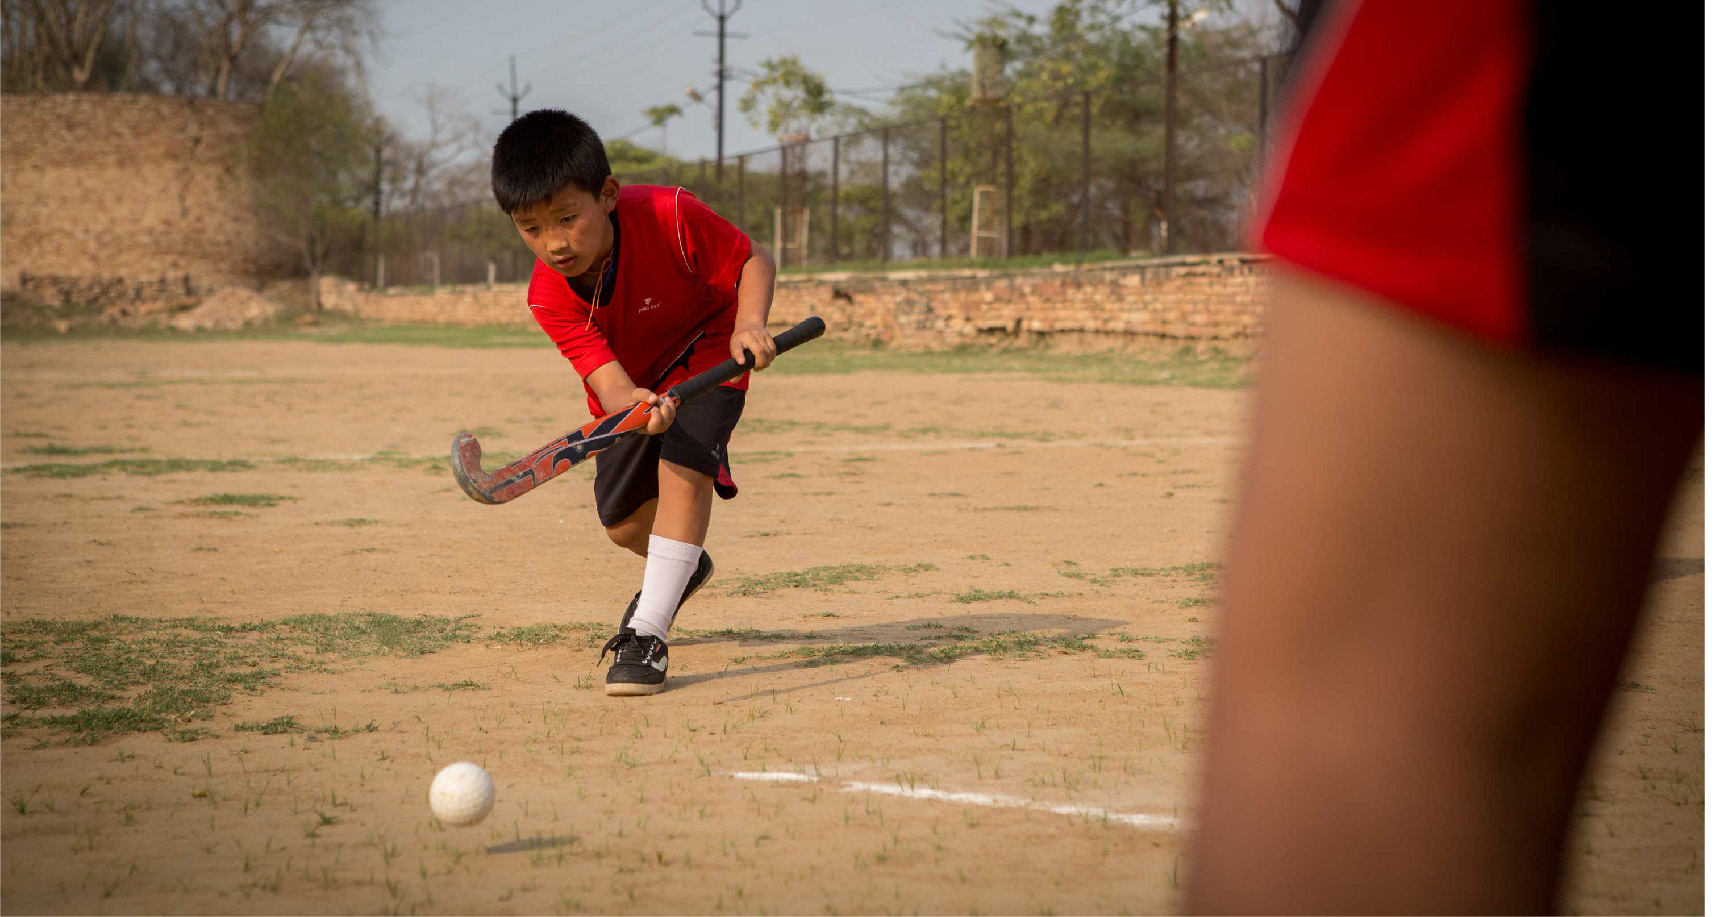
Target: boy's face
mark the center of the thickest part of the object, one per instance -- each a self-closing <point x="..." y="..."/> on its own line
<point x="570" y="232"/>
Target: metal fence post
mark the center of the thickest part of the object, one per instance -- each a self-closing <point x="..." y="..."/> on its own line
<point x="885" y="213"/>
<point x="781" y="212"/>
<point x="1169" y="95"/>
<point x="1085" y="175"/>
<point x="835" y="203"/>
<point x="1263" y="102"/>
<point x="942" y="193"/>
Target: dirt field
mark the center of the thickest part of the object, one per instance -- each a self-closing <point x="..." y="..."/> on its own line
<point x="952" y="660"/>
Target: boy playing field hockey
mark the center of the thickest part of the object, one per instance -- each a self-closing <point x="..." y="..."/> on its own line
<point x="640" y="287"/>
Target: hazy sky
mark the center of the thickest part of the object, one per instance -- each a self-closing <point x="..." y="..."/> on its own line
<point x="608" y="61"/>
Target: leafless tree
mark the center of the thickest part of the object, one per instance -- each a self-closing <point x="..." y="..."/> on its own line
<point x="317" y="28"/>
<point x="224" y="49"/>
<point x="58" y="44"/>
<point x="453" y="135"/>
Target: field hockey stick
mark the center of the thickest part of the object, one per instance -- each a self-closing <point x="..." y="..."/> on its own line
<point x="544" y="464"/>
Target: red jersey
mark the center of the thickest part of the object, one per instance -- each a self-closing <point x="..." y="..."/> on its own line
<point x="1451" y="157"/>
<point x="676" y="283"/>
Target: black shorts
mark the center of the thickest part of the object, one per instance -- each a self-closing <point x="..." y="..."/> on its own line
<point x="626" y="472"/>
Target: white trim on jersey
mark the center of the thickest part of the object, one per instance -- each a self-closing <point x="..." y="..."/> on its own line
<point x="680" y="231"/>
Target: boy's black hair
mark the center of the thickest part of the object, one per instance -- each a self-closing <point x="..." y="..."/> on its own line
<point x="543" y="152"/>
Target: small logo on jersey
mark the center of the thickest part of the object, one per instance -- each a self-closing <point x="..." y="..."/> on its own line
<point x="650" y="304"/>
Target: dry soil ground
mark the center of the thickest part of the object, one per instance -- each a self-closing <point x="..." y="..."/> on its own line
<point x="953" y="659"/>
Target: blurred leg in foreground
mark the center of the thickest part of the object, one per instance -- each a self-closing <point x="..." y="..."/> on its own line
<point x="1440" y="555"/>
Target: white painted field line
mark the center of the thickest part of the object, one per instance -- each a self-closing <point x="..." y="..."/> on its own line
<point x="1091" y="813"/>
<point x="775" y="777"/>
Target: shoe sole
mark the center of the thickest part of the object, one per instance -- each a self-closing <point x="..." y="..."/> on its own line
<point x="631" y="689"/>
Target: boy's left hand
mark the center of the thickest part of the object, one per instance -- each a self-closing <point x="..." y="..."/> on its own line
<point x="754" y="338"/>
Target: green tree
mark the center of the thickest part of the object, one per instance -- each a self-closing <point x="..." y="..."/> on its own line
<point x="790" y="100"/>
<point x="659" y="116"/>
<point x="311" y="160"/>
<point x="1114" y="50"/>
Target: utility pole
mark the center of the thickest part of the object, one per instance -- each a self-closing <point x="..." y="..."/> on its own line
<point x="1168" y="128"/>
<point x="721" y="14"/>
<point x="515" y="96"/>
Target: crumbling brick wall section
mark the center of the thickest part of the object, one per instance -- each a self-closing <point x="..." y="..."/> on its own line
<point x="116" y="195"/>
<point x="1209" y="302"/>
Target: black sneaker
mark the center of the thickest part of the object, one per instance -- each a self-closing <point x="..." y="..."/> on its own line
<point x="705" y="570"/>
<point x="640" y="664"/>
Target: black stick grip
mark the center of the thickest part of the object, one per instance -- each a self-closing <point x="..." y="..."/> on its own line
<point x="807" y="330"/>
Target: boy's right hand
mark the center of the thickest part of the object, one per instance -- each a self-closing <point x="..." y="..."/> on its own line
<point x="663" y="416"/>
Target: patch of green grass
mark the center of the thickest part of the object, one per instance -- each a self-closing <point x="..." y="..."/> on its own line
<point x="478" y="336"/>
<point x="141" y="467"/>
<point x="55" y="692"/>
<point x="1196" y="647"/>
<point x="1178" y="367"/>
<point x="57" y="449"/>
<point x="361" y="634"/>
<point x="318" y="465"/>
<point x="337" y="732"/>
<point x="1181" y="367"/>
<point x="814" y="427"/>
<point x="821" y="578"/>
<point x="124" y="674"/>
<point x="550" y="634"/>
<point x="762" y="456"/>
<point x="1022" y="508"/>
<point x="333" y="328"/>
<point x="1198" y="573"/>
<point x="277" y="726"/>
<point x="355" y="522"/>
<point x="959" y="263"/>
<point x="990" y="595"/>
<point x="743" y="633"/>
<point x="430" y="463"/>
<point x="462" y="685"/>
<point x="259" y="500"/>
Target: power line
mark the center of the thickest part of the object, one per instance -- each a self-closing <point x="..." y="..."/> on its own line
<point x="621" y="46"/>
<point x="584" y="36"/>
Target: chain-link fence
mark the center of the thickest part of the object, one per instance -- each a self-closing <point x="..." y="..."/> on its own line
<point x="1085" y="173"/>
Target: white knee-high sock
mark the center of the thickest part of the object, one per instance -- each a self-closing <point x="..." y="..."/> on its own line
<point x="666" y="571"/>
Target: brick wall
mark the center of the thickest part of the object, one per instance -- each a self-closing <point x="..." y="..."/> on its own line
<point x="1210" y="302"/>
<point x="502" y="304"/>
<point x="121" y="191"/>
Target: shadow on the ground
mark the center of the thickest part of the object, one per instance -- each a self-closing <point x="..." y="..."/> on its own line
<point x="528" y="844"/>
<point x="915" y="630"/>
<point x="913" y="643"/>
<point x="1665" y="569"/>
